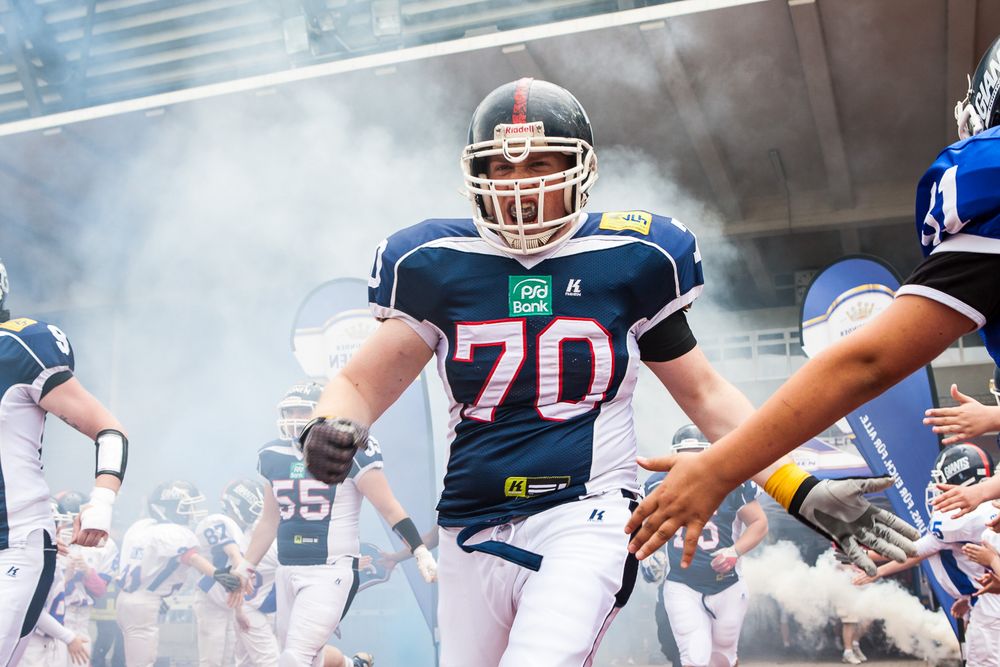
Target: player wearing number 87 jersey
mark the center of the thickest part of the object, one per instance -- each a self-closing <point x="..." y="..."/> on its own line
<point x="318" y="545"/>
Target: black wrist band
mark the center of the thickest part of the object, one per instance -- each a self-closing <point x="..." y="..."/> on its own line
<point x="408" y="532"/>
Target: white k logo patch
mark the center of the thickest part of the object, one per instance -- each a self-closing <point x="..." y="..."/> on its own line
<point x="573" y="287"/>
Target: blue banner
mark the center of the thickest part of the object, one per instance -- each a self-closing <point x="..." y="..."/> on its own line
<point x="889" y="431"/>
<point x="331" y="324"/>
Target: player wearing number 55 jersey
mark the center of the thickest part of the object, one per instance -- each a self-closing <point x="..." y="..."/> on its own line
<point x="707" y="601"/>
<point x="36" y="377"/>
<point x="316" y="526"/>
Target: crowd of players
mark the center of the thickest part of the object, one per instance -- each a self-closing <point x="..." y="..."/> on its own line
<point x="534" y="565"/>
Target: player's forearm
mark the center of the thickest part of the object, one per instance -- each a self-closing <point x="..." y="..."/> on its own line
<point x="232" y="551"/>
<point x="753" y="535"/>
<point x="892" y="567"/>
<point x="908" y="335"/>
<point x="108" y="482"/>
<point x="343" y="398"/>
<point x="200" y="563"/>
<point x="262" y="538"/>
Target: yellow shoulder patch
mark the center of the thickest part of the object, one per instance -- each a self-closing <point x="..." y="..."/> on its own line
<point x="18" y="324"/>
<point x="635" y="221"/>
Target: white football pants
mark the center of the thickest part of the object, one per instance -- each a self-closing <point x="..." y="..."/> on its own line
<point x="26" y="571"/>
<point x="492" y="612"/>
<point x="311" y="601"/>
<point x="44" y="651"/>
<point x="257" y="646"/>
<point x="138" y="617"/>
<point x="216" y="632"/>
<point x="982" y="639"/>
<point x="704" y="641"/>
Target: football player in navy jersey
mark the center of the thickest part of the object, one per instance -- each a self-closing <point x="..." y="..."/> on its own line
<point x="36" y="378"/>
<point x="316" y="527"/>
<point x="539" y="315"/>
<point x="952" y="292"/>
<point x="707" y="601"/>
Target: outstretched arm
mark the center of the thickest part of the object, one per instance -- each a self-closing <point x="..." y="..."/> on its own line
<point x="80" y="409"/>
<point x="968" y="419"/>
<point x="375" y="487"/>
<point x="373" y="379"/>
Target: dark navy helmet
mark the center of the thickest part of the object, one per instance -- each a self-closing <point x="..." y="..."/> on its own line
<point x="524" y="118"/>
<point x="176" y="502"/>
<point x="243" y="501"/>
<point x="689" y="438"/>
<point x="296" y="407"/>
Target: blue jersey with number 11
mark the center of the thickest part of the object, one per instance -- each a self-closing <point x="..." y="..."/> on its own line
<point x="538" y="354"/>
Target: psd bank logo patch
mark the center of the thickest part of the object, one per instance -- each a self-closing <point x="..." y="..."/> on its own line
<point x="529" y="295"/>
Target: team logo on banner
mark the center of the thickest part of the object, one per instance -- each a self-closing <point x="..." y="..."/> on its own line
<point x="323" y="351"/>
<point x="849" y="311"/>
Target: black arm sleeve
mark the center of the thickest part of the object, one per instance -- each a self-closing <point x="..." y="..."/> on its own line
<point x="668" y="340"/>
<point x="54" y="381"/>
<point x="960" y="279"/>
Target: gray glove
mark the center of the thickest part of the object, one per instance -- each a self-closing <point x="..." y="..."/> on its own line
<point x="329" y="446"/>
<point x="230" y="582"/>
<point x="838" y="510"/>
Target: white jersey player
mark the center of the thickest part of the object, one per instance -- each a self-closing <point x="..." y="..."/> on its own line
<point x="36" y="377"/>
<point x="316" y="526"/>
<point x="153" y="564"/>
<point x="224" y="632"/>
<point x="89" y="570"/>
<point x="962" y="464"/>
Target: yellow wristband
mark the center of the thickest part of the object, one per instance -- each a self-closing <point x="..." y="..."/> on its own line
<point x="785" y="481"/>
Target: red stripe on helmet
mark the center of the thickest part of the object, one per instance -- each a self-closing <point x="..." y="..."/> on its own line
<point x="520" y="112"/>
<point x="986" y="461"/>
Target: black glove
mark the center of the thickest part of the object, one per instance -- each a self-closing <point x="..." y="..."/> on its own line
<point x="329" y="446"/>
<point x="838" y="510"/>
<point x="229" y="582"/>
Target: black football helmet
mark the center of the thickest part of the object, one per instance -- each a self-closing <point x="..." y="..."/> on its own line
<point x="962" y="465"/>
<point x="4" y="291"/>
<point x="243" y="501"/>
<point x="516" y="120"/>
<point x="688" y="439"/>
<point x="295" y="409"/>
<point x="176" y="502"/>
<point x="980" y="109"/>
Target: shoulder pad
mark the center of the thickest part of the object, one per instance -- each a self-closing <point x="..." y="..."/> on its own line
<point x="393" y="251"/>
<point x="367" y="458"/>
<point x="968" y="528"/>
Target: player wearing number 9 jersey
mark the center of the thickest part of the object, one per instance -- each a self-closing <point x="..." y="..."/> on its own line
<point x="316" y="527"/>
<point x="707" y="601"/>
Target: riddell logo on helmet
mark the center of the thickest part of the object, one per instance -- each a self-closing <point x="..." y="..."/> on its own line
<point x="519" y="130"/>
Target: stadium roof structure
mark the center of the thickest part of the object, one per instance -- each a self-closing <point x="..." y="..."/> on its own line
<point x="801" y="126"/>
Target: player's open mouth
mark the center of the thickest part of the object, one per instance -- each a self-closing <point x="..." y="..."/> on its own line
<point x="529" y="211"/>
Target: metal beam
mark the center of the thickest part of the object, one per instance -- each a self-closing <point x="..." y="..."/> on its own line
<point x="677" y="84"/>
<point x="749" y="250"/>
<point x="961" y="59"/>
<point x="25" y="73"/>
<point x="522" y="61"/>
<point x="819" y="87"/>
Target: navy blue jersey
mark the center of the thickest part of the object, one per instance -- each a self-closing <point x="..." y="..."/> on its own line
<point x="35" y="357"/>
<point x="538" y="354"/>
<point x="319" y="522"/>
<point x="957" y="197"/>
<point x="720" y="532"/>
